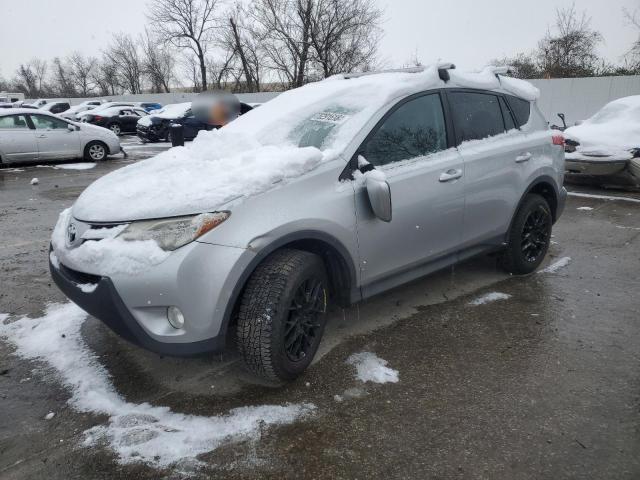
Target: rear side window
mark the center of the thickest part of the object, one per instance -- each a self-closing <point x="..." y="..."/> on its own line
<point x="414" y="129"/>
<point x="521" y="109"/>
<point x="476" y="115"/>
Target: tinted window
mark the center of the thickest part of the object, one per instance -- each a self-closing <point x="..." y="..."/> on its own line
<point x="476" y="115"/>
<point x="414" y="129"/>
<point x="506" y="114"/>
<point x="14" y="122"/>
<point x="521" y="109"/>
<point x="43" y="122"/>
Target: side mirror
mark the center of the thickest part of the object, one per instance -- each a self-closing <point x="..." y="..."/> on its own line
<point x="561" y="115"/>
<point x="379" y="194"/>
<point x="72" y="128"/>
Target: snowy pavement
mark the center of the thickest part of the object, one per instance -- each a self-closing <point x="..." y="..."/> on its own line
<point x="469" y="373"/>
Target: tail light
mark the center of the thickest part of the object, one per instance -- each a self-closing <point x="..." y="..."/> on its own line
<point x="558" y="140"/>
<point x="97" y="118"/>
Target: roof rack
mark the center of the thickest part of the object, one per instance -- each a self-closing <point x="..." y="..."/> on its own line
<point x="442" y="71"/>
<point x="500" y="70"/>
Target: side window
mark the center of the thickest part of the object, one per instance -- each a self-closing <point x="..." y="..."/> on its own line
<point x="414" y="129"/>
<point x="521" y="109"/>
<point x="506" y="115"/>
<point x="14" y="122"/>
<point x="476" y="115"/>
<point x="43" y="122"/>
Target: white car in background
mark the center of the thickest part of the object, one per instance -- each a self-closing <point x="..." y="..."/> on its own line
<point x="28" y="135"/>
<point x="71" y="113"/>
<point x="608" y="143"/>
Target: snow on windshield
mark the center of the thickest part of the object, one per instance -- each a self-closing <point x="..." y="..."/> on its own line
<point x="614" y="129"/>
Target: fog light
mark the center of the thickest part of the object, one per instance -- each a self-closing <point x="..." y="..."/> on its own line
<point x="175" y="317"/>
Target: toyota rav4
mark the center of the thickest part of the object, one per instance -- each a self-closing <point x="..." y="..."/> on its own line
<point x="333" y="192"/>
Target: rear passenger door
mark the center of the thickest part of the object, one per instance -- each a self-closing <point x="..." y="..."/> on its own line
<point x="492" y="148"/>
<point x="410" y="145"/>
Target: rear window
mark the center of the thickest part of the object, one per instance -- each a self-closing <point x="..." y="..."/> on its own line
<point x="520" y="108"/>
<point x="476" y="115"/>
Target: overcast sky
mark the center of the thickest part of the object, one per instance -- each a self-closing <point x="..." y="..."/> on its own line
<point x="466" y="32"/>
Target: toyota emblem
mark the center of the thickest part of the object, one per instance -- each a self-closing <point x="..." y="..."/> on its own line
<point x="71" y="233"/>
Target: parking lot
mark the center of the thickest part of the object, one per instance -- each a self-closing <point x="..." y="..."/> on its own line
<point x="498" y="376"/>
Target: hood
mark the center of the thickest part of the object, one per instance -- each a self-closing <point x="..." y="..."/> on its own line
<point x="87" y="127"/>
<point x="216" y="168"/>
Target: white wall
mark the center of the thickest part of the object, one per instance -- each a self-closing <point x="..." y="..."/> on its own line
<point x="579" y="98"/>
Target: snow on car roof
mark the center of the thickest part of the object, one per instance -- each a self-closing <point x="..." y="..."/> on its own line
<point x="172" y="110"/>
<point x="613" y="129"/>
<point x="18" y="111"/>
<point x="267" y="147"/>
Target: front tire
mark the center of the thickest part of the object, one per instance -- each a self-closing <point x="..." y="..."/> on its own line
<point x="282" y="315"/>
<point x="95" y="152"/>
<point x="529" y="237"/>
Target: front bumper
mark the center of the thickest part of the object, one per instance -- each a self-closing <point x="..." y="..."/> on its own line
<point x="200" y="280"/>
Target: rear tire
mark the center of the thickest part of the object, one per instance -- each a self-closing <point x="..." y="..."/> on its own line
<point x="282" y="315"/>
<point x="115" y="128"/>
<point x="529" y="237"/>
<point x="95" y="151"/>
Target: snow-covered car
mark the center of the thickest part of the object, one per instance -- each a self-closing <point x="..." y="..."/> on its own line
<point x="71" y="113"/>
<point x="253" y="229"/>
<point x="117" y="119"/>
<point x="103" y="106"/>
<point x="608" y="143"/>
<point x="56" y="107"/>
<point x="28" y="135"/>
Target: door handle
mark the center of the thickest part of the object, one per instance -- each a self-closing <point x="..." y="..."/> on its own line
<point x="525" y="157"/>
<point x="451" y="174"/>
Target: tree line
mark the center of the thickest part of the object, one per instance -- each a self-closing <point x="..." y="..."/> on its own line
<point x="258" y="45"/>
<point x="205" y="44"/>
<point x="569" y="50"/>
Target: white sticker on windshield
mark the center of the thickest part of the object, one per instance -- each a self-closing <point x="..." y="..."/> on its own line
<point x="329" y="117"/>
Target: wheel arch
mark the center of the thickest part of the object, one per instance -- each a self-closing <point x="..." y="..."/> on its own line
<point x="545" y="186"/>
<point x="85" y="150"/>
<point x="335" y="256"/>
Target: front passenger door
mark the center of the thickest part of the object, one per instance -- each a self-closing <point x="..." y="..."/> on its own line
<point x="410" y="145"/>
<point x="56" y="141"/>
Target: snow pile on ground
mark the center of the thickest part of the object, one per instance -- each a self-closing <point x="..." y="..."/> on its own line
<point x="614" y="130"/>
<point x="35" y="181"/>
<point x="490" y="297"/>
<point x="557" y="265"/>
<point x="586" y="209"/>
<point x="109" y="256"/>
<point x="76" y="166"/>
<point x="136" y="432"/>
<point x="371" y="368"/>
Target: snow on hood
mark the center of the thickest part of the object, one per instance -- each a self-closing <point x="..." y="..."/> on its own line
<point x="614" y="130"/>
<point x="283" y="139"/>
<point x="218" y="167"/>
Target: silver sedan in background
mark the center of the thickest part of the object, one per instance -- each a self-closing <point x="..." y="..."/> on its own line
<point x="28" y="135"/>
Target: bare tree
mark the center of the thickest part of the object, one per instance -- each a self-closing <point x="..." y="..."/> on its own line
<point x="345" y="34"/>
<point x="159" y="63"/>
<point x="81" y="70"/>
<point x="283" y="27"/>
<point x="570" y="51"/>
<point x="124" y="55"/>
<point x="187" y="24"/>
<point x="63" y="84"/>
<point x="105" y="77"/>
<point x="523" y="65"/>
<point x="633" y="55"/>
<point x="222" y="71"/>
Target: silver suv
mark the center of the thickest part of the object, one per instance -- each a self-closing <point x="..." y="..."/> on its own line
<point x="352" y="186"/>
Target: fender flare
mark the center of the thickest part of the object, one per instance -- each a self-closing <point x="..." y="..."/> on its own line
<point x="547" y="180"/>
<point x="269" y="248"/>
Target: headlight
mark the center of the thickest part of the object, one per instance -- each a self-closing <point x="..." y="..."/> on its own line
<point x="172" y="233"/>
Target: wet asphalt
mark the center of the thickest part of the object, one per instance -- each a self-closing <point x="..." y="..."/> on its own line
<point x="545" y="384"/>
